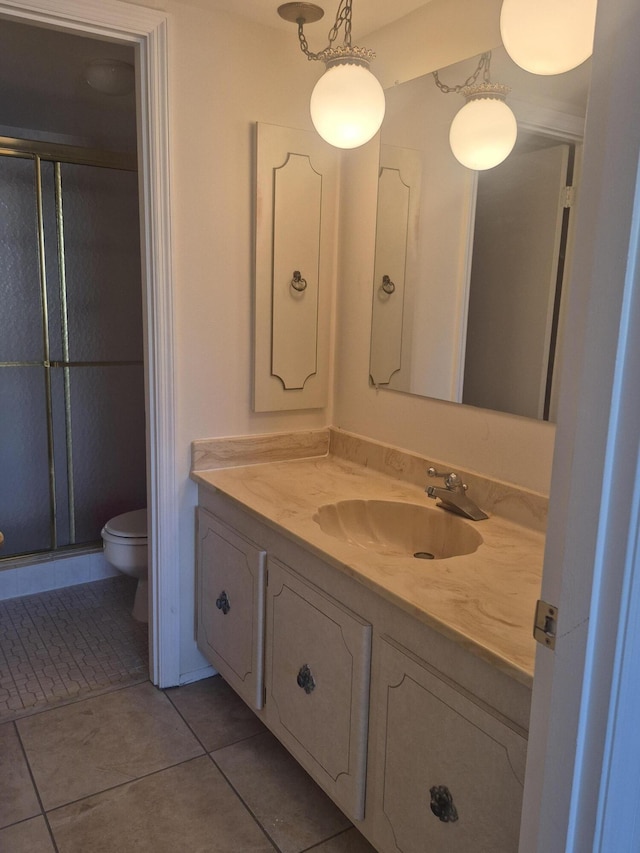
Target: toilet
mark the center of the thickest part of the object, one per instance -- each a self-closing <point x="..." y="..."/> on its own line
<point x="125" y="548"/>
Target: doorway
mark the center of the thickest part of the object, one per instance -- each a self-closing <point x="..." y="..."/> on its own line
<point x="146" y="31"/>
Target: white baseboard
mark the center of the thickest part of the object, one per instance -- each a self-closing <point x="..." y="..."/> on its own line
<point x="197" y="674"/>
<point x="54" y="573"/>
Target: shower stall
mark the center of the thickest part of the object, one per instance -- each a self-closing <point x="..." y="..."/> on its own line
<point x="72" y="418"/>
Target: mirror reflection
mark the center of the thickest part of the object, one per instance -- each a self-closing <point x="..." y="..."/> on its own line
<point x="471" y="267"/>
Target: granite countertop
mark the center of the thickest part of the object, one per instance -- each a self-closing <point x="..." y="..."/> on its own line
<point x="485" y="601"/>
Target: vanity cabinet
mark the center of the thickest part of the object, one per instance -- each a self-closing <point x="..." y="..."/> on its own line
<point x="318" y="664"/>
<point x="230" y="587"/>
<point x="318" y="656"/>
<point x="421" y="743"/>
<point x="451" y="775"/>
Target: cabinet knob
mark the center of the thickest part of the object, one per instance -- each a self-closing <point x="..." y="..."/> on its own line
<point x="442" y="804"/>
<point x="305" y="679"/>
<point x="223" y="603"/>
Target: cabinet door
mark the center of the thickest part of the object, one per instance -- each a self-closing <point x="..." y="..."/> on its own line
<point x="318" y="663"/>
<point x="434" y="744"/>
<point x="231" y="580"/>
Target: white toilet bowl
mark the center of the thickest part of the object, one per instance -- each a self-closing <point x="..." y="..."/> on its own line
<point x="125" y="548"/>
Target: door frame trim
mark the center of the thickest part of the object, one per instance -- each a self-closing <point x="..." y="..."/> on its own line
<point x="146" y="30"/>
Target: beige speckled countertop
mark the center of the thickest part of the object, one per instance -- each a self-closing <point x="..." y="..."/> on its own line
<point x="484" y="601"/>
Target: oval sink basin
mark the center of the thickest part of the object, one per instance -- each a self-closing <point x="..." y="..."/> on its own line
<point x="398" y="529"/>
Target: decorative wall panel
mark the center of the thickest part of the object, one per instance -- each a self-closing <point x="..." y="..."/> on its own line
<point x="296" y="186"/>
<point x="296" y="256"/>
<point x="388" y="276"/>
<point x="397" y="224"/>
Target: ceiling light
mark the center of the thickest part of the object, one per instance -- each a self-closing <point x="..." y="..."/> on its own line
<point x="548" y="36"/>
<point x="484" y="131"/>
<point x="347" y="104"/>
<point x="110" y="76"/>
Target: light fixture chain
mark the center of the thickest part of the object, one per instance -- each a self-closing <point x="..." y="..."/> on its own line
<point x="343" y="16"/>
<point x="487" y="63"/>
<point x="483" y="65"/>
<point x="304" y="44"/>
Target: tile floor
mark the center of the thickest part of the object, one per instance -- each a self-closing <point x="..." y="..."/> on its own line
<point x="97" y="760"/>
<point x="185" y="770"/>
<point x="57" y="646"/>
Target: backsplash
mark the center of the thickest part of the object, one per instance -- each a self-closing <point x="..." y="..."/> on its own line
<point x="518" y="505"/>
<point x="231" y="452"/>
<point x="514" y="503"/>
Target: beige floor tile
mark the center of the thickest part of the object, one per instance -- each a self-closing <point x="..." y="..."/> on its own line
<point x="18" y="799"/>
<point x="184" y="809"/>
<point x="347" y="842"/>
<point x="284" y="799"/>
<point x="215" y="712"/>
<point x="97" y="743"/>
<point x="30" y="836"/>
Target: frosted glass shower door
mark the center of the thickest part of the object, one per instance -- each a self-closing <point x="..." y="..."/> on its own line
<point x="72" y="423"/>
<point x="102" y="353"/>
<point x="25" y="506"/>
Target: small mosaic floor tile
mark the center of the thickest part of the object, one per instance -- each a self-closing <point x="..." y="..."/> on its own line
<point x="69" y="643"/>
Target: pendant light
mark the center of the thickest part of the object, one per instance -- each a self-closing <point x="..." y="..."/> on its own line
<point x="110" y="76"/>
<point x="548" y="36"/>
<point x="484" y="131"/>
<point x="347" y="104"/>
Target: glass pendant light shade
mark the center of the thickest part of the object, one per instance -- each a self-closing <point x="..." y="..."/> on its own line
<point x="483" y="133"/>
<point x="347" y="105"/>
<point x="110" y="76"/>
<point x="548" y="36"/>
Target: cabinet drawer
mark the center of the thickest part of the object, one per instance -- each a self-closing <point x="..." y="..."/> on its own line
<point x="318" y="664"/>
<point x="231" y="583"/>
<point x="432" y="737"/>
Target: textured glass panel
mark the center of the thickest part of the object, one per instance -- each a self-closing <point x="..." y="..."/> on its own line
<point x="21" y="314"/>
<point x="24" y="464"/>
<point x="60" y="456"/>
<point x="108" y="428"/>
<point x="102" y="259"/>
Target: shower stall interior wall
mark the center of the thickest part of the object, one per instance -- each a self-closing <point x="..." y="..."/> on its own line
<point x="72" y="422"/>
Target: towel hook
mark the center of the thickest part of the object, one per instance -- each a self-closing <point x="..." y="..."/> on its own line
<point x="387" y="285"/>
<point x="297" y="282"/>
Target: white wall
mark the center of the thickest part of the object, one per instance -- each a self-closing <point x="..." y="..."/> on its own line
<point x="225" y="75"/>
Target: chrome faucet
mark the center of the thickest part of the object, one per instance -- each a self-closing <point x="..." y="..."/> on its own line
<point x="453" y="496"/>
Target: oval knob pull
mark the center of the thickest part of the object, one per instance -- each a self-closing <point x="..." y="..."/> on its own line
<point x="305" y="679"/>
<point x="442" y="804"/>
<point x="297" y="282"/>
<point x="387" y="285"/>
<point x="223" y="603"/>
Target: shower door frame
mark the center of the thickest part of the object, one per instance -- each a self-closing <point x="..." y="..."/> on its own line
<point x="57" y="155"/>
<point x="146" y="30"/>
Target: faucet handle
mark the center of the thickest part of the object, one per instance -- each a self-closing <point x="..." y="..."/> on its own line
<point x="433" y="473"/>
<point x="451" y="480"/>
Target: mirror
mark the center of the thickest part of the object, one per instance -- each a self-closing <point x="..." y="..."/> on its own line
<point x="470" y="267"/>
